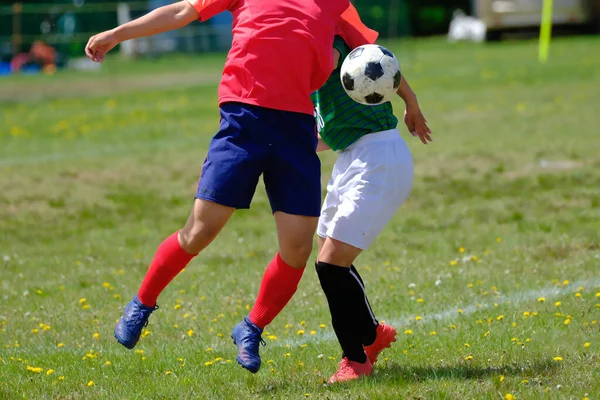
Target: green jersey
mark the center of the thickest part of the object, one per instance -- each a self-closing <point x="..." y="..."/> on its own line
<point x="341" y="121"/>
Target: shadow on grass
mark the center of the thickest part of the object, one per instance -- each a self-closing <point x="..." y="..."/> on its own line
<point x="408" y="373"/>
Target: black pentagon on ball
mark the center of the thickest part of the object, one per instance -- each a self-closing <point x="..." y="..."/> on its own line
<point x="355" y="53"/>
<point x="397" y="79"/>
<point x="386" y="51"/>
<point x="374" y="98"/>
<point x="348" y="81"/>
<point x="373" y="70"/>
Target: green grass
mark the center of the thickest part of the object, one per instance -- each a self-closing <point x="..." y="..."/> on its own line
<point x="504" y="212"/>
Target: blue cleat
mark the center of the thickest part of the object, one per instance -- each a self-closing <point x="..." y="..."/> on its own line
<point x="247" y="337"/>
<point x="130" y="325"/>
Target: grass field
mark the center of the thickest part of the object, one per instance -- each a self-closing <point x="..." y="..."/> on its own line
<point x="490" y="272"/>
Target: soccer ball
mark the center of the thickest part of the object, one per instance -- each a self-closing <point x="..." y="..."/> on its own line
<point x="370" y="74"/>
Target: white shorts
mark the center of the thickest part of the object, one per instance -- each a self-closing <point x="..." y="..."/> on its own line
<point x="370" y="181"/>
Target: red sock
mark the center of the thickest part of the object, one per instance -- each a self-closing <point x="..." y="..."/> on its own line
<point x="168" y="261"/>
<point x="277" y="287"/>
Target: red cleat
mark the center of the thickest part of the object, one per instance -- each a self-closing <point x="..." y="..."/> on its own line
<point x="351" y="370"/>
<point x="386" y="335"/>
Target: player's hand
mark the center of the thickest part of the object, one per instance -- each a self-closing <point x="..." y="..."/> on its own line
<point x="416" y="123"/>
<point x="99" y="45"/>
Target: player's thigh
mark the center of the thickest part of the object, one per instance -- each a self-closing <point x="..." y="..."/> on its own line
<point x="236" y="158"/>
<point x="293" y="176"/>
<point x="295" y="236"/>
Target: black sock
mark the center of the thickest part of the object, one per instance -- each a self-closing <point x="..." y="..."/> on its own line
<point x="345" y="297"/>
<point x="367" y="316"/>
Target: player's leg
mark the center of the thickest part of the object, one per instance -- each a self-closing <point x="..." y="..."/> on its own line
<point x="371" y="190"/>
<point x="293" y="185"/>
<point x="229" y="177"/>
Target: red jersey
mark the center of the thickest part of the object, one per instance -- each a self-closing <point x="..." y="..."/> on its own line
<point x="281" y="50"/>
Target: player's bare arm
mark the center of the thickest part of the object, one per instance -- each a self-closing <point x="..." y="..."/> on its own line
<point x="413" y="116"/>
<point x="161" y="20"/>
<point x="322" y="146"/>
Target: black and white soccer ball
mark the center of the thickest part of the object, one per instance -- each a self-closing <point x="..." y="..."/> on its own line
<point x="371" y="74"/>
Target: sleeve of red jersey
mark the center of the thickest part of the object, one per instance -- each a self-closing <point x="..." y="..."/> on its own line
<point x="209" y="8"/>
<point x="352" y="29"/>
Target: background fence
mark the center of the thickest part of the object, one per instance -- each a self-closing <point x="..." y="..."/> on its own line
<point x="67" y="24"/>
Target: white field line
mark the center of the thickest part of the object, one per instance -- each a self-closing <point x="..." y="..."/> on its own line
<point x="445" y="315"/>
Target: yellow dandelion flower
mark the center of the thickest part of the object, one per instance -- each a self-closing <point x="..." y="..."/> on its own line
<point x="566" y="282"/>
<point x="535" y="313"/>
<point x="499" y="239"/>
<point x="452" y="326"/>
<point x="60" y="345"/>
<point x="85" y="307"/>
<point x="500" y="317"/>
<point x="418" y="318"/>
<point x="39" y="291"/>
<point x="433" y="333"/>
<point x="408" y="332"/>
<point x="106" y="285"/>
<point x="470" y="285"/>
<point x="107" y="363"/>
<point x="527" y="314"/>
<point x="300" y="332"/>
<point x="313" y="332"/>
<point x="287" y="354"/>
<point x="50" y="371"/>
<point x="453" y="263"/>
<point x="270" y="361"/>
<point x="558" y="358"/>
<point x="187" y="315"/>
<point x="300" y="364"/>
<point x="509" y="396"/>
<point x="209" y="349"/>
<point x="96" y="335"/>
<point x="303" y="345"/>
<point x="557" y="304"/>
<point x="577" y="294"/>
<point x="467" y="345"/>
<point x="139" y="351"/>
<point x="145" y="333"/>
<point x="525" y="381"/>
<point x="288" y="326"/>
<point x="468" y="358"/>
<point x="117" y="296"/>
<point x="218" y="359"/>
<point x="90" y="383"/>
<point x="461" y="249"/>
<point x="586" y="344"/>
<point x="82" y="300"/>
<point x="272" y="337"/>
<point x="460" y="311"/>
<point x="420" y="300"/>
<point x="61" y="378"/>
<point x="514" y="324"/>
<point x="302" y="323"/>
<point x="487" y="334"/>
<point x="208" y="363"/>
<point x="501" y="378"/>
<point x="168" y="372"/>
<point x="177" y="306"/>
<point x="322" y="326"/>
<point x="567" y="321"/>
<point x="190" y="332"/>
<point x="598" y="294"/>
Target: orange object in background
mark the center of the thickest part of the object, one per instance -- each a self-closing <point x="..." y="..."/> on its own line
<point x="40" y="53"/>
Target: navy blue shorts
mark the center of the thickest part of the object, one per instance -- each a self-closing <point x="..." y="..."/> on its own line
<point x="253" y="140"/>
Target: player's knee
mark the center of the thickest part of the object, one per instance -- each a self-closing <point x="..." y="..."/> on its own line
<point x="296" y="255"/>
<point x="196" y="238"/>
